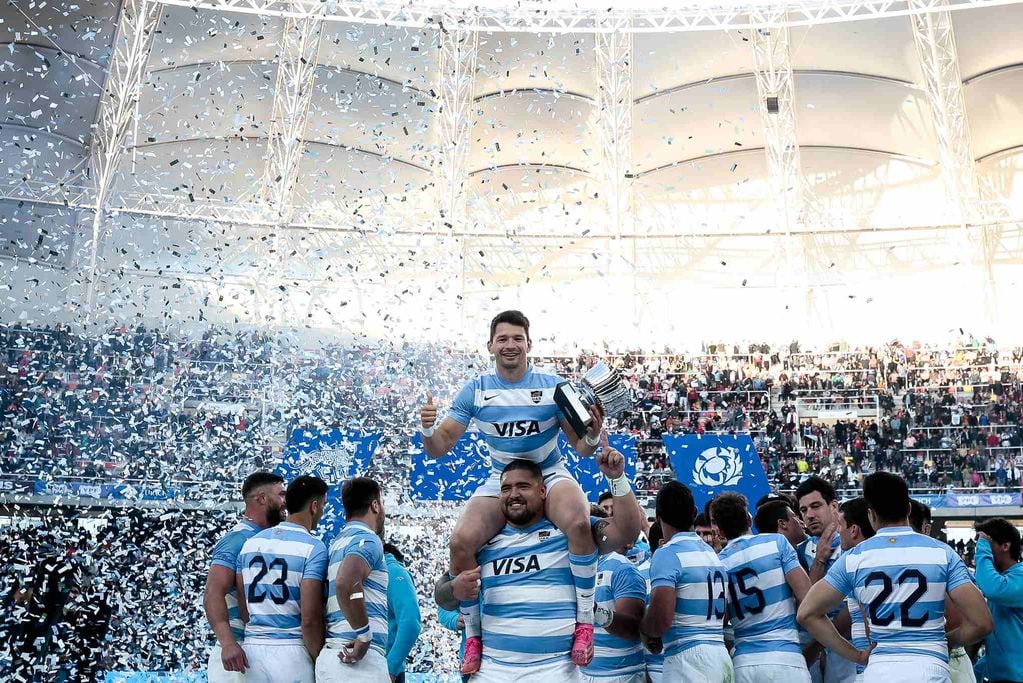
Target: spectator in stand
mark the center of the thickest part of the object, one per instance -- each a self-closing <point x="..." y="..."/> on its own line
<point x="999" y="575"/>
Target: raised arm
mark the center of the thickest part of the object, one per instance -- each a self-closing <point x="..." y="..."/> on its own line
<point x="438" y="440"/>
<point x="624" y="527"/>
<point x="1005" y="589"/>
<point x="586" y="444"/>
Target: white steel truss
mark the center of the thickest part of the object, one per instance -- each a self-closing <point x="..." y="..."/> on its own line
<point x="457" y="67"/>
<point x="133" y="42"/>
<point x="296" y="77"/>
<point x="614" y="124"/>
<point x="538" y="16"/>
<point x="934" y="36"/>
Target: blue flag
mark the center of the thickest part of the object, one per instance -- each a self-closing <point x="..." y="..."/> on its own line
<point x="333" y="455"/>
<point x="456" y="476"/>
<point x="711" y="463"/>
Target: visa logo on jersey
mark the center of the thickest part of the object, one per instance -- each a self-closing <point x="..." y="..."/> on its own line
<point x="516" y="565"/>
<point x="517" y="428"/>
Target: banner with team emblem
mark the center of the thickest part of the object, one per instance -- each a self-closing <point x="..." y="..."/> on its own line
<point x="457" y="475"/>
<point x="333" y="455"/>
<point x="711" y="463"/>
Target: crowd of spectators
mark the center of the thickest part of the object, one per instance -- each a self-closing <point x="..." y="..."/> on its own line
<point x="139" y="404"/>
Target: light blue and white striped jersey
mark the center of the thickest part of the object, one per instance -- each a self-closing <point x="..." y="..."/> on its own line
<point x="518" y="421"/>
<point x="900" y="578"/>
<point x="693" y="570"/>
<point x="617" y="578"/>
<point x="527" y="595"/>
<point x="273" y="564"/>
<point x="858" y="630"/>
<point x="358" y="539"/>
<point x="654" y="663"/>
<point x="225" y="554"/>
<point x="762" y="608"/>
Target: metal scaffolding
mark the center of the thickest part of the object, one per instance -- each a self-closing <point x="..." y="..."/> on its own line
<point x="296" y="77"/>
<point x="133" y="42"/>
<point x="535" y="16"/>
<point x="939" y="62"/>
<point x="455" y="90"/>
<point x="614" y="124"/>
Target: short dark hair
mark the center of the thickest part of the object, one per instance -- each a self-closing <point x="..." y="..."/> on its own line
<point x="769" y="514"/>
<point x="730" y="513"/>
<point x="604" y="496"/>
<point x="675" y="505"/>
<point x="257" y="479"/>
<point x="887" y="495"/>
<point x="655" y="536"/>
<point x="302" y="490"/>
<point x="855" y="512"/>
<point x="392" y="550"/>
<point x="775" y="497"/>
<point x="702" y="519"/>
<point x="919" y="514"/>
<point x="527" y="465"/>
<point x="357" y="494"/>
<point x="515" y="318"/>
<point x="597" y="511"/>
<point x="815" y="483"/>
<point x="1002" y="530"/>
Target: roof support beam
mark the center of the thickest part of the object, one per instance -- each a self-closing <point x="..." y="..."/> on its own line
<point x="535" y="17"/>
<point x="133" y="42"/>
<point x="939" y="61"/>
<point x="614" y="124"/>
<point x="296" y="76"/>
<point x="458" y="50"/>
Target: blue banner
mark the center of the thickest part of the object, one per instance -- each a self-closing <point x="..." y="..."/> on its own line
<point x="711" y="463"/>
<point x="333" y="455"/>
<point x="587" y="473"/>
<point x="454" y="476"/>
<point x="457" y="475"/>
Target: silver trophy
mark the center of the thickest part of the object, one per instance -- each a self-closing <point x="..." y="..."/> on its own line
<point x="601" y="386"/>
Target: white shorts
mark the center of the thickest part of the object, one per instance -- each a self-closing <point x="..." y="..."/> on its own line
<point x="630" y="678"/>
<point x="492" y="672"/>
<point x="837" y="669"/>
<point x="960" y="666"/>
<point x="215" y="672"/>
<point x="552" y="476"/>
<point x="700" y="664"/>
<point x="913" y="671"/>
<point x="771" y="673"/>
<point x="278" y="664"/>
<point x="372" y="668"/>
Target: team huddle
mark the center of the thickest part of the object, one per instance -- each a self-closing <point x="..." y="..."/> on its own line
<point x="549" y="588"/>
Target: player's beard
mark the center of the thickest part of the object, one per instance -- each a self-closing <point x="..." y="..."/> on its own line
<point x="520" y="516"/>
<point x="274" y="516"/>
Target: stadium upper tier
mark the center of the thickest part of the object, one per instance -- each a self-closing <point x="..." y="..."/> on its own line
<point x="143" y="406"/>
<point x="237" y="155"/>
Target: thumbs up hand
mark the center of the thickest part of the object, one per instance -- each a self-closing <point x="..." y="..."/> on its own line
<point x="428" y="413"/>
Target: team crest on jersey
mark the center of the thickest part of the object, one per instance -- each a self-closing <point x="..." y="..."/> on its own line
<point x="537" y="396"/>
<point x="330" y="464"/>
<point x="543" y="535"/>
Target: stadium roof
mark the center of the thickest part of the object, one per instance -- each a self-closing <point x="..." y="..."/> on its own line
<point x="355" y="163"/>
